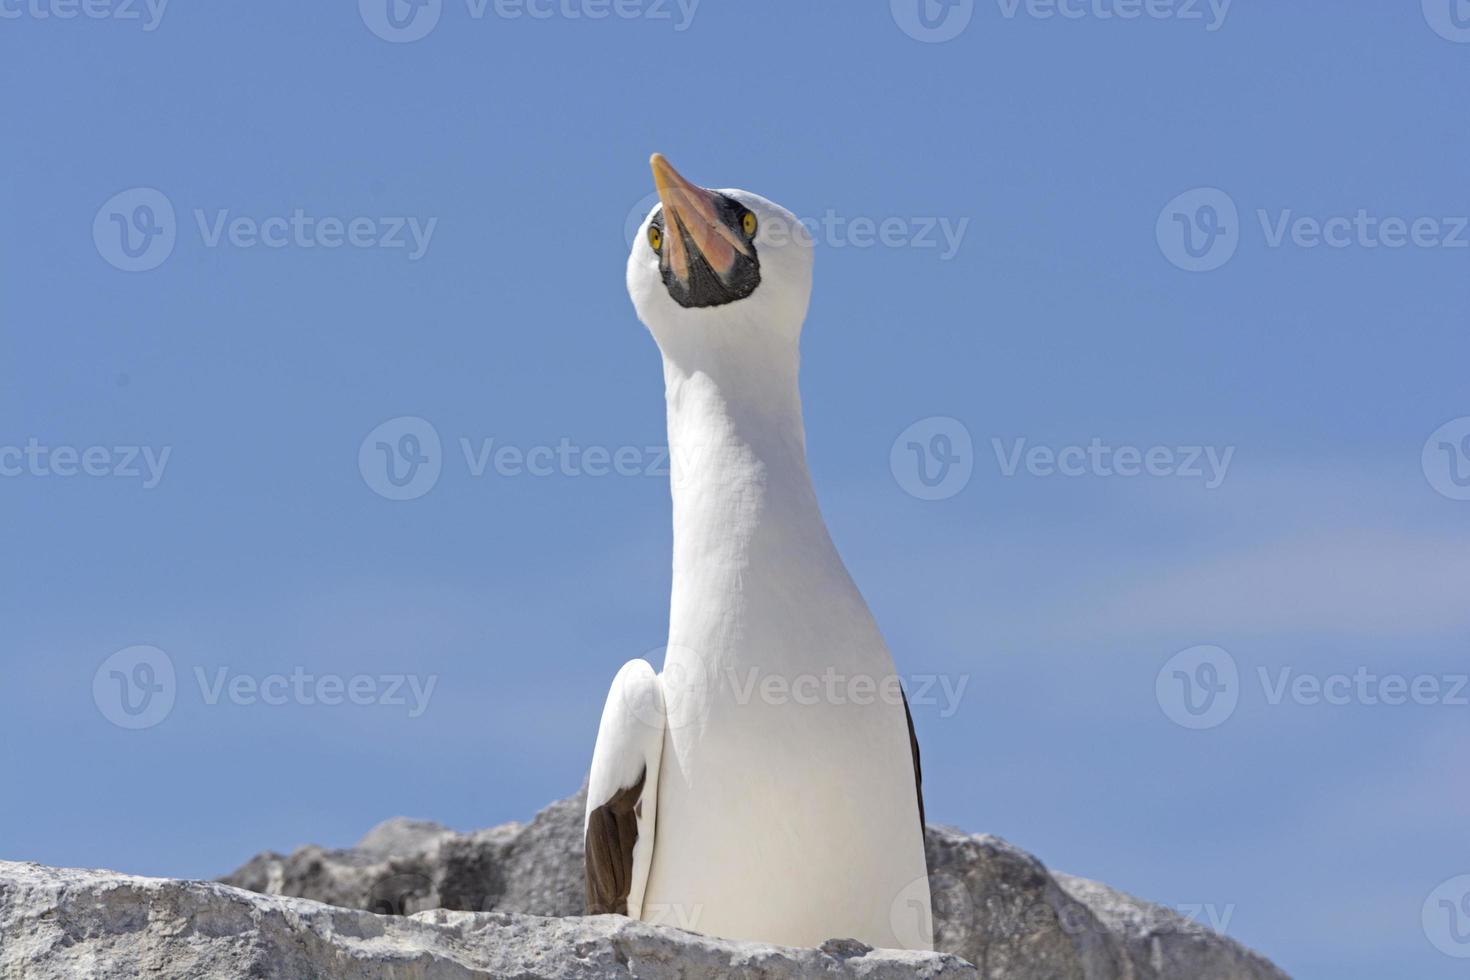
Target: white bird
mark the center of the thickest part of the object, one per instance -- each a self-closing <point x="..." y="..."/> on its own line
<point x="765" y="785"/>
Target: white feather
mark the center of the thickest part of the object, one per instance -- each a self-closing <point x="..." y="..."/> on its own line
<point x="630" y="743"/>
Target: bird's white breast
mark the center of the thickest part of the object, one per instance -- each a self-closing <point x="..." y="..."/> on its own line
<point x="787" y="803"/>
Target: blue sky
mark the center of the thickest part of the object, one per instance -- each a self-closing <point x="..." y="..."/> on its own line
<point x="1066" y="155"/>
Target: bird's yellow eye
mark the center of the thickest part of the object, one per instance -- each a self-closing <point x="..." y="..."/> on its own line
<point x="655" y="237"/>
<point x="748" y="223"/>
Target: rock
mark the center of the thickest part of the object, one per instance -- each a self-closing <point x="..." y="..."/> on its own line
<point x="60" y="924"/>
<point x="407" y="866"/>
<point x="1161" y="943"/>
<point x="994" y="905"/>
<point x="998" y="907"/>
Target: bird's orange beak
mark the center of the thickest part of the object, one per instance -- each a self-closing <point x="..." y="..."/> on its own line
<point x="692" y="219"/>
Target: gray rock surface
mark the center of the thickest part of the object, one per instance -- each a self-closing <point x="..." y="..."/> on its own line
<point x="62" y="924"/>
<point x="1159" y="942"/>
<point x="994" y="904"/>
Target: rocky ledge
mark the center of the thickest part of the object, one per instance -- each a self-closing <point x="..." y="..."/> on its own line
<point x="58" y="924"/>
<point x="996" y="906"/>
<point x="416" y="901"/>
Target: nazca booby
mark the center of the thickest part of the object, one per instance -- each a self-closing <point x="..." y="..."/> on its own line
<point x="765" y="785"/>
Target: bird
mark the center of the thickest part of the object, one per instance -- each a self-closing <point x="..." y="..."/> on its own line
<point x="766" y="784"/>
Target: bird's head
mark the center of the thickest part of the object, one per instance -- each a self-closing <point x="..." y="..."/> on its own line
<point x="726" y="267"/>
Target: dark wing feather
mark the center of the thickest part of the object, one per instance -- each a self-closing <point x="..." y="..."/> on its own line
<point x="612" y="830"/>
<point x="918" y="769"/>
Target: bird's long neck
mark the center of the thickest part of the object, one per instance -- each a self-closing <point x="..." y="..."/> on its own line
<point x="754" y="565"/>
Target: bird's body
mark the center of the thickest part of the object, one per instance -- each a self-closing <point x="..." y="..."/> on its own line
<point x="776" y="775"/>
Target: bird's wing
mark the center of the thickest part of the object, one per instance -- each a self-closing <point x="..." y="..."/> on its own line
<point x="622" y="791"/>
<point x="918" y="769"/>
